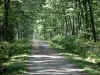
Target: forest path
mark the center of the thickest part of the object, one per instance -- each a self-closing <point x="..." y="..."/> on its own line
<point x="44" y="60"/>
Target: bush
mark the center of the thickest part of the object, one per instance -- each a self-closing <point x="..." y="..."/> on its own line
<point x="69" y="43"/>
<point x="58" y="39"/>
<point x="4" y="51"/>
<point x="7" y="50"/>
<point x="82" y="47"/>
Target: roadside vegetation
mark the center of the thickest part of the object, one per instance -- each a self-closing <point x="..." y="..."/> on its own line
<point x="82" y="52"/>
<point x="13" y="55"/>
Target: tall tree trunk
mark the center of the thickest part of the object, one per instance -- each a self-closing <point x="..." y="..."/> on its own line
<point x="66" y="21"/>
<point x="0" y="2"/>
<point x="73" y="27"/>
<point x="86" y="19"/>
<point x="92" y="20"/>
<point x="6" y="27"/>
<point x="80" y="15"/>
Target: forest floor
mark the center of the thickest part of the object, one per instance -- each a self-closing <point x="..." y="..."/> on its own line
<point x="45" y="60"/>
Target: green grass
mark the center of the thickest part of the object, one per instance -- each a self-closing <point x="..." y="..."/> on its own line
<point x="89" y="67"/>
<point x="16" y="65"/>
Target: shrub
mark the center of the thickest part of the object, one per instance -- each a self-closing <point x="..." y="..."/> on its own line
<point x="69" y="43"/>
<point x="82" y="47"/>
<point x="7" y="50"/>
<point x="58" y="39"/>
<point x="4" y="51"/>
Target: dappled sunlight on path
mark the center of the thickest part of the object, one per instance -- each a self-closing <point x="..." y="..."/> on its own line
<point x="46" y="61"/>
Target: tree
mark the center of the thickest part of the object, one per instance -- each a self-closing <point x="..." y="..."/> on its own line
<point x="92" y="20"/>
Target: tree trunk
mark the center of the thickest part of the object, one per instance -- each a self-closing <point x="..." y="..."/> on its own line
<point x="86" y="19"/>
<point x="6" y="27"/>
<point x="92" y="20"/>
<point x="73" y="28"/>
<point x="0" y="2"/>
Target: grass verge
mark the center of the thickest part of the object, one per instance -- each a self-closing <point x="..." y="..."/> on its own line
<point x="16" y="64"/>
<point x="89" y="67"/>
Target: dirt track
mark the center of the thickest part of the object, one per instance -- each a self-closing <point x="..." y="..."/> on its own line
<point x="46" y="61"/>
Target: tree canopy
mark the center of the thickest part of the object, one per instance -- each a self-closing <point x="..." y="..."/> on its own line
<point x="20" y="18"/>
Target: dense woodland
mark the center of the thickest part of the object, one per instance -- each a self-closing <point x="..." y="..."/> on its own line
<point x="72" y="24"/>
<point x="49" y="18"/>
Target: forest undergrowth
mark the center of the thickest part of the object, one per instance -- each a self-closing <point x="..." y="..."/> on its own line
<point x="82" y="52"/>
<point x="11" y="56"/>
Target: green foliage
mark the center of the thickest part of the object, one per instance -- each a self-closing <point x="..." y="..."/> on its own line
<point x="58" y="39"/>
<point x="11" y="54"/>
<point x="4" y="51"/>
<point x="88" y="49"/>
<point x="69" y="43"/>
<point x="19" y="47"/>
<point x="7" y="50"/>
<point x="13" y="69"/>
<point x="82" y="47"/>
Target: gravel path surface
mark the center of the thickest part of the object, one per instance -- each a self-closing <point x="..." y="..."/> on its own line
<point x="46" y="61"/>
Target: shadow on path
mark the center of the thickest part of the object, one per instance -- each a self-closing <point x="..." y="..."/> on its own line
<point x="46" y="61"/>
